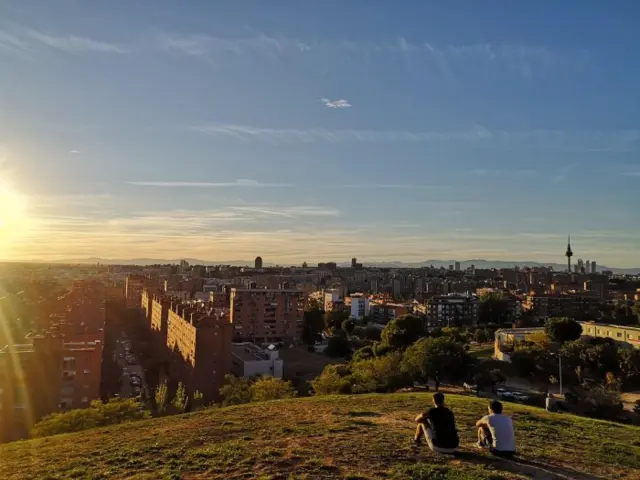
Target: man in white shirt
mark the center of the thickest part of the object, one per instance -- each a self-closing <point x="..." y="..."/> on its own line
<point x="495" y="432"/>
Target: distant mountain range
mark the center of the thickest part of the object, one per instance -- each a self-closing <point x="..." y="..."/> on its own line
<point x="478" y="263"/>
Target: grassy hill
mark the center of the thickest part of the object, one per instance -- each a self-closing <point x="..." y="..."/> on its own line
<point x="347" y="437"/>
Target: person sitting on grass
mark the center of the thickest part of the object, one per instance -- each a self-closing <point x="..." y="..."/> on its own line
<point x="438" y="427"/>
<point x="495" y="432"/>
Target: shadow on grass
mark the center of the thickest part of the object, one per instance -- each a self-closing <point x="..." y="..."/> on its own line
<point x="524" y="466"/>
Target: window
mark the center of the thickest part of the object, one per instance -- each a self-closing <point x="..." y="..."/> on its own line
<point x="619" y="335"/>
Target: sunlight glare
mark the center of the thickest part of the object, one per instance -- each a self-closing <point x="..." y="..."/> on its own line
<point x="12" y="212"/>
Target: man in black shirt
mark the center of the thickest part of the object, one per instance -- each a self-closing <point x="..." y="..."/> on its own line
<point x="438" y="426"/>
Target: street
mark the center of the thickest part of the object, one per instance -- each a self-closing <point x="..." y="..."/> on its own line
<point x="133" y="382"/>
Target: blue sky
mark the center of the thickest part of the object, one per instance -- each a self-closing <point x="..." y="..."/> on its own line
<point x="320" y="130"/>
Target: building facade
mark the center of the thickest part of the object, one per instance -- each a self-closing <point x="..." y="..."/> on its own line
<point x="45" y="376"/>
<point x="453" y="311"/>
<point x="199" y="344"/>
<point x="359" y="306"/>
<point x="249" y="360"/>
<point x="267" y="315"/>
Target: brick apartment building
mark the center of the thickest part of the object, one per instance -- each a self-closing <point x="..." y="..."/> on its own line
<point x="267" y="315"/>
<point x="545" y="306"/>
<point x="199" y="345"/>
<point x="44" y="376"/>
<point x="453" y="310"/>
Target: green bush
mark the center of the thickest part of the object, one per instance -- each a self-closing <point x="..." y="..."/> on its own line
<point x="238" y="390"/>
<point x="97" y="415"/>
<point x="333" y="379"/>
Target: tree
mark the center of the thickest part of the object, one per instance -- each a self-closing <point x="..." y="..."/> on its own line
<point x="401" y="332"/>
<point x="455" y="333"/>
<point x="179" y="401"/>
<point x="533" y="361"/>
<point x="333" y="319"/>
<point x="562" y="329"/>
<point x="494" y="309"/>
<point x="97" y="415"/>
<point x="379" y="374"/>
<point x="373" y="333"/>
<point x="198" y="400"/>
<point x="629" y="361"/>
<point x="437" y="359"/>
<point x="348" y="325"/>
<point x="363" y="353"/>
<point x="162" y="397"/>
<point x="271" y="388"/>
<point x="338" y="346"/>
<point x="312" y="325"/>
<point x="235" y="390"/>
<point x="333" y="379"/>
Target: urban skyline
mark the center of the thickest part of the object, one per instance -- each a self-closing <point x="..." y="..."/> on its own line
<point x="227" y="131"/>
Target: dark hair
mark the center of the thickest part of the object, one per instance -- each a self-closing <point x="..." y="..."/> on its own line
<point x="496" y="407"/>
<point x="438" y="398"/>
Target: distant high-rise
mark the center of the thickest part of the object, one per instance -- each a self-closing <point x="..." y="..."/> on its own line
<point x="569" y="254"/>
<point x="354" y="261"/>
<point x="593" y="266"/>
<point x="587" y="266"/>
<point x="258" y="262"/>
<point x="457" y="266"/>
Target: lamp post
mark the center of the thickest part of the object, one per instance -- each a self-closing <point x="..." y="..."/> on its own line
<point x="559" y="369"/>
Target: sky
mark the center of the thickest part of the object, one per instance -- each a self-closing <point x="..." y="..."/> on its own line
<point x="316" y="131"/>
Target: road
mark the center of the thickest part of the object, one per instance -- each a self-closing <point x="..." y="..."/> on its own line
<point x="120" y="356"/>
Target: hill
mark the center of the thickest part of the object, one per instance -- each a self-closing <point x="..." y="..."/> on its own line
<point x="347" y="437"/>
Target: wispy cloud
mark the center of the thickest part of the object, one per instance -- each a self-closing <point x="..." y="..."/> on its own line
<point x="631" y="174"/>
<point x="291" y="212"/>
<point x="242" y="182"/>
<point x="75" y="44"/>
<point x="479" y="171"/>
<point x="538" y="139"/>
<point x="400" y="186"/>
<point x="11" y="42"/>
<point x="75" y="152"/>
<point x="342" y="103"/>
<point x="446" y="60"/>
<point x="293" y="135"/>
<point x="198" y="45"/>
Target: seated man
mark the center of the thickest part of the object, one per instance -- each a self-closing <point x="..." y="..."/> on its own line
<point x="495" y="432"/>
<point x="438" y="427"/>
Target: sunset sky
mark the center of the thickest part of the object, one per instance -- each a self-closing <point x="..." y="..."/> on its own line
<point x="317" y="131"/>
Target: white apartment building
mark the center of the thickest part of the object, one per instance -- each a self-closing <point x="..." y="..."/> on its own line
<point x="249" y="360"/>
<point x="359" y="306"/>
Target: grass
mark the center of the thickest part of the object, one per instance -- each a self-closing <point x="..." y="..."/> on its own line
<point x="345" y="437"/>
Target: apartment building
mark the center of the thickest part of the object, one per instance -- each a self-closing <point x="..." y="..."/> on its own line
<point x="453" y="310"/>
<point x="249" y="360"/>
<point x="359" y="306"/>
<point x="199" y="342"/>
<point x="267" y="315"/>
<point x="44" y="376"/>
<point x="506" y="339"/>
<point x="159" y="321"/>
<point x="545" y="306"/>
<point x="383" y="312"/>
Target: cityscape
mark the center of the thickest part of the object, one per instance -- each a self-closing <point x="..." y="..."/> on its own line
<point x="319" y="240"/>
